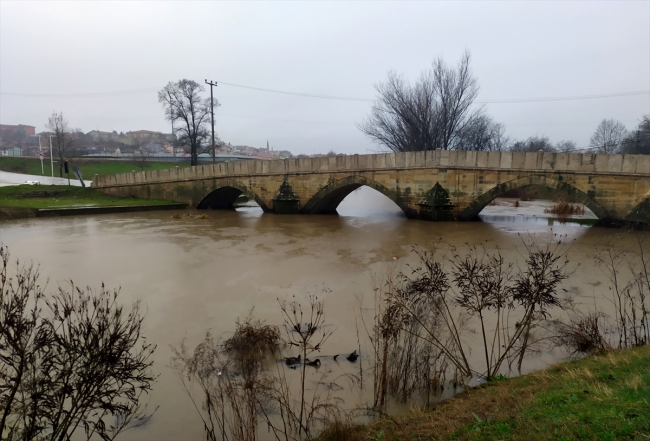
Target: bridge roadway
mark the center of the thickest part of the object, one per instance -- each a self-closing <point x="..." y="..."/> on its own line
<point x="432" y="185"/>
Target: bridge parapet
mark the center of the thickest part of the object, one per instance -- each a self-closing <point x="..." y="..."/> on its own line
<point x="524" y="161"/>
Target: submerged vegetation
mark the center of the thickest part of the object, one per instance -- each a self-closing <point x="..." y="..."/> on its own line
<point x="71" y="361"/>
<point x="244" y="380"/>
<point x="424" y="326"/>
<point x="565" y="208"/>
<point x="423" y="319"/>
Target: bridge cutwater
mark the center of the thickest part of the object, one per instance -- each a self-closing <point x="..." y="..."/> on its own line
<point x="433" y="185"/>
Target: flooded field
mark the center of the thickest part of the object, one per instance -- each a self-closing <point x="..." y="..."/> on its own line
<point x="197" y="275"/>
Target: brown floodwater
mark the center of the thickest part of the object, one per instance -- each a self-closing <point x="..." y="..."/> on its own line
<point x="198" y="275"/>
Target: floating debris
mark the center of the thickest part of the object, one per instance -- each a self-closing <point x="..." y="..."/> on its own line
<point x="189" y="216"/>
<point x="352" y="357"/>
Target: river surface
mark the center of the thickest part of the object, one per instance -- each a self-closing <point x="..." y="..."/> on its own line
<point x="194" y="275"/>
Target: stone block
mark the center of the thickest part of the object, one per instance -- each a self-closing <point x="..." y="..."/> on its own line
<point x="629" y="163"/>
<point x="575" y="160"/>
<point x="444" y="158"/>
<point x="505" y="162"/>
<point x="364" y="162"/>
<point x="481" y="161"/>
<point x="456" y="158"/>
<point x="518" y="160"/>
<point x="380" y="161"/>
<point x="349" y="162"/>
<point x="400" y="160"/>
<point x="419" y="159"/>
<point x="277" y="167"/>
<point x="494" y="159"/>
<point x="615" y="163"/>
<point x="530" y="160"/>
<point x="548" y="160"/>
<point x="390" y="160"/>
<point x="588" y="163"/>
<point x="331" y="163"/>
<point x="304" y="165"/>
<point x="643" y="164"/>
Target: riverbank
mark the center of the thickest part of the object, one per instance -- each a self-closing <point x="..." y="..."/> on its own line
<point x="88" y="167"/>
<point x="26" y="201"/>
<point x="603" y="397"/>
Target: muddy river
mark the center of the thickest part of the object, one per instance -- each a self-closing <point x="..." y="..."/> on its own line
<point x="195" y="275"/>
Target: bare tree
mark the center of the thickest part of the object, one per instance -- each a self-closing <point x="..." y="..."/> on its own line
<point x="533" y="144"/>
<point x="638" y="141"/>
<point x="62" y="137"/>
<point x="482" y="133"/>
<point x="141" y="154"/>
<point x="428" y="115"/>
<point x="565" y="146"/>
<point x="183" y="103"/>
<point x="608" y="136"/>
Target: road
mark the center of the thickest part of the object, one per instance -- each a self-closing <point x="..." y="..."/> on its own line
<point x="7" y="178"/>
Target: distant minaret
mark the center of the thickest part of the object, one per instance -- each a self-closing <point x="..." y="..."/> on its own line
<point x="267" y="146"/>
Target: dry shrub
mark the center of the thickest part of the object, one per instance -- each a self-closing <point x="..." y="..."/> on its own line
<point x="230" y="378"/>
<point x="566" y="208"/>
<point x="338" y="430"/>
<point x="70" y="361"/>
<point x="251" y="344"/>
<point x="422" y="317"/>
<point x="234" y="392"/>
<point x="629" y="276"/>
<point x="583" y="333"/>
<point x="516" y="204"/>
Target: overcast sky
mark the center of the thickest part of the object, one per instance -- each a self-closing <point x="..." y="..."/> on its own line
<point x="74" y="56"/>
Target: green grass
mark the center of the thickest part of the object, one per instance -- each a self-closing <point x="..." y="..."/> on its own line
<point x="62" y="196"/>
<point x="88" y="167"/>
<point x="603" y="397"/>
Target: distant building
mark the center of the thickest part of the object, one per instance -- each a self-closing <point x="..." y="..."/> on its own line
<point x="137" y="136"/>
<point x="11" y="129"/>
<point x="11" y="151"/>
<point x="98" y="135"/>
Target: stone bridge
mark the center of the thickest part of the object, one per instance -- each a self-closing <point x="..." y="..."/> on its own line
<point x="432" y="185"/>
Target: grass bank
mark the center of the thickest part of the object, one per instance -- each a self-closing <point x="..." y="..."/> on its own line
<point x="88" y="167"/>
<point x="19" y="201"/>
<point x="601" y="397"/>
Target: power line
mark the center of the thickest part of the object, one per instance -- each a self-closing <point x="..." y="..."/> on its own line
<point x="308" y="95"/>
<point x="564" y="98"/>
<point x="496" y="101"/>
<point x="323" y="96"/>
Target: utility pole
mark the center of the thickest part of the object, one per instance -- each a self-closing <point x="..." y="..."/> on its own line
<point x="212" y="113"/>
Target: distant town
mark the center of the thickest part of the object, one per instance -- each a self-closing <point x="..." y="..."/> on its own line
<point x="22" y="140"/>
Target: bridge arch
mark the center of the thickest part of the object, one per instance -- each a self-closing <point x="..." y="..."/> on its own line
<point x="473" y="209"/>
<point x="329" y="197"/>
<point x="225" y="193"/>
